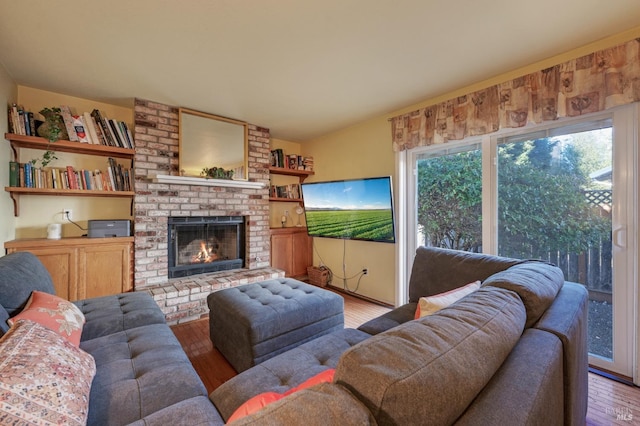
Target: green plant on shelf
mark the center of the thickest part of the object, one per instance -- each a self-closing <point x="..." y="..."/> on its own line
<point x="52" y="129"/>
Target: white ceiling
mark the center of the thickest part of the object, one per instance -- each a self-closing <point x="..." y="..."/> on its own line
<point x="301" y="68"/>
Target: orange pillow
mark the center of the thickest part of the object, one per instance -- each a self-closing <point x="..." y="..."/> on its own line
<point x="55" y="313"/>
<point x="432" y="304"/>
<point x="263" y="399"/>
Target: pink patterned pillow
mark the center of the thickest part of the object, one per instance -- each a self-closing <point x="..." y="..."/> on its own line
<point x="55" y="313"/>
<point x="45" y="379"/>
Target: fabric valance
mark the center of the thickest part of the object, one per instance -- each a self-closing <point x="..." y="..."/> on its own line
<point x="591" y="83"/>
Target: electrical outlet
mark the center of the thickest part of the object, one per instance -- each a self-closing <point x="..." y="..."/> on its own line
<point x="365" y="271"/>
<point x="66" y="214"/>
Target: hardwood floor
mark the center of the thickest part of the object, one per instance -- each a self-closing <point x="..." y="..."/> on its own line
<point x="610" y="402"/>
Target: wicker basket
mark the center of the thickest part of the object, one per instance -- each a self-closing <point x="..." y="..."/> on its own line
<point x="318" y="276"/>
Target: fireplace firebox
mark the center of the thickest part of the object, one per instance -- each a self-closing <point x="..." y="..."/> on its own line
<point x="202" y="244"/>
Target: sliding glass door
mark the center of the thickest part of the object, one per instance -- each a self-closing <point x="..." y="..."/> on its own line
<point x="561" y="193"/>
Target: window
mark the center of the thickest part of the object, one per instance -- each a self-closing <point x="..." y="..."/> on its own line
<point x="563" y="193"/>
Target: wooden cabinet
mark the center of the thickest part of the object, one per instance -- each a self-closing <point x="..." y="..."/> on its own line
<point x="34" y="142"/>
<point x="291" y="250"/>
<point x="83" y="267"/>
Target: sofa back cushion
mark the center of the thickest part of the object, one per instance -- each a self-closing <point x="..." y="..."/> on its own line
<point x="20" y="274"/>
<point x="429" y="370"/>
<point x="436" y="270"/>
<point x="537" y="283"/>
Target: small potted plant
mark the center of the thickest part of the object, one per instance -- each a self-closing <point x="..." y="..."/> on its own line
<point x="52" y="129"/>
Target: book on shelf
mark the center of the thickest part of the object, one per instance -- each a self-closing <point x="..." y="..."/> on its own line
<point x="21" y="121"/>
<point x="291" y="191"/>
<point x="277" y="158"/>
<point x="14" y="173"/>
<point x="115" y="178"/>
<point x="65" y="112"/>
<point x="80" y="129"/>
<point x="90" y="126"/>
<point x="104" y="128"/>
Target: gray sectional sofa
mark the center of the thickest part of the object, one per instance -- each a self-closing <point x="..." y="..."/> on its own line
<point x="514" y="352"/>
<point x="143" y="377"/>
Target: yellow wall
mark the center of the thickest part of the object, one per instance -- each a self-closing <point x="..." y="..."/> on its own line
<point x="359" y="151"/>
<point x="8" y="95"/>
<point x="365" y="150"/>
<point x="278" y="209"/>
<point x="36" y="212"/>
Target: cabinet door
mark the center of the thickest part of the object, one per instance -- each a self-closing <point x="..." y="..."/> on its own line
<point x="282" y="252"/>
<point x="104" y="269"/>
<point x="61" y="264"/>
<point x="302" y="253"/>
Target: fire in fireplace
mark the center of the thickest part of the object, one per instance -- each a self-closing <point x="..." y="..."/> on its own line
<point x="205" y="244"/>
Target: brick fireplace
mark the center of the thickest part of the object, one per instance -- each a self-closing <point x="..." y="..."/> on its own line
<point x="156" y="137"/>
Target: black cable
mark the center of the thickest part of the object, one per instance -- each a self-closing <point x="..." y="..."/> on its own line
<point x="67" y="217"/>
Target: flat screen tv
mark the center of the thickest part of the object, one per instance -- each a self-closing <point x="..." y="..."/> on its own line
<point x="355" y="209"/>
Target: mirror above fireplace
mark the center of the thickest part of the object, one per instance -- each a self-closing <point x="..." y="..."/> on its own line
<point x="208" y="141"/>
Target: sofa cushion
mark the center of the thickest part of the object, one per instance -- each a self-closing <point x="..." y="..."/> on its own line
<point x="432" y="304"/>
<point x="196" y="411"/>
<point x="537" y="283"/>
<point x="139" y="371"/>
<point x="436" y="270"/>
<point x="443" y="360"/>
<point x="260" y="401"/>
<point x="45" y="379"/>
<point x="285" y="371"/>
<point x="20" y="274"/>
<point x="112" y="314"/>
<point x="320" y="405"/>
<point x="55" y="313"/>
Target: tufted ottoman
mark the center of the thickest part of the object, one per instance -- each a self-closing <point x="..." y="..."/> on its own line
<point x="251" y="323"/>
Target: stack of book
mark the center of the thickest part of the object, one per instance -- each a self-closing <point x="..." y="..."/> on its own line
<point x="89" y="127"/>
<point x="291" y="161"/>
<point x="96" y="128"/>
<point x="291" y="191"/>
<point x="113" y="178"/>
<point x="21" y="122"/>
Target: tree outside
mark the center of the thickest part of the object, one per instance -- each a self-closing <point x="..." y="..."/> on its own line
<point x="545" y="210"/>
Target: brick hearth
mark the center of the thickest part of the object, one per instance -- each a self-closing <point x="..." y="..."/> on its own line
<point x="157" y="138"/>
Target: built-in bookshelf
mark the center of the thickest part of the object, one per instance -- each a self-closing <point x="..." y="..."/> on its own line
<point x="87" y="186"/>
<point x="288" y="165"/>
<point x="289" y="192"/>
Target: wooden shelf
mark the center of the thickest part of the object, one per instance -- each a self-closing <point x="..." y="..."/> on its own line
<point x="301" y="174"/>
<point x="15" y="192"/>
<point x="286" y="200"/>
<point x="69" y="192"/>
<point x="34" y="142"/>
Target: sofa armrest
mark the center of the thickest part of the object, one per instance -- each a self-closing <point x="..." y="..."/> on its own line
<point x="390" y="319"/>
<point x="567" y="319"/>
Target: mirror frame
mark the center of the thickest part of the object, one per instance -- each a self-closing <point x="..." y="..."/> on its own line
<point x="245" y="142"/>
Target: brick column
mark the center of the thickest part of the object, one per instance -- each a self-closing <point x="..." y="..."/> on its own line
<point x="157" y="137"/>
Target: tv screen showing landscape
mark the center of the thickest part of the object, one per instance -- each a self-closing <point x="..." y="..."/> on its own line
<point x="355" y="209"/>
